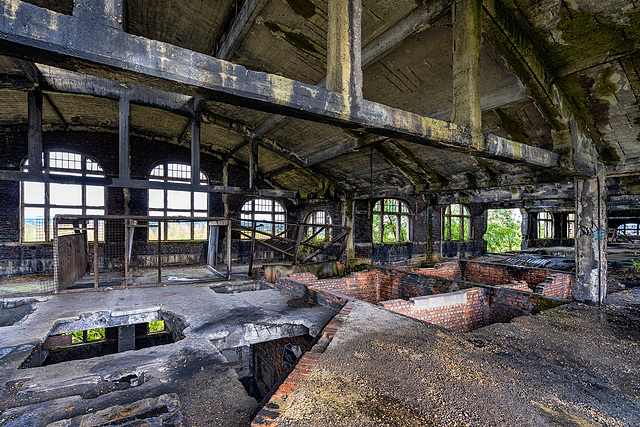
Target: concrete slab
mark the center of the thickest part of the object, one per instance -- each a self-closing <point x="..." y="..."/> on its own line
<point x="193" y="368"/>
<point x="573" y="365"/>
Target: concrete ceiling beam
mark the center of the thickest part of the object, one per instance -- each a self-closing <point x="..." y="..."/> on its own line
<point x="34" y="33"/>
<point x="418" y="20"/>
<point x="243" y="21"/>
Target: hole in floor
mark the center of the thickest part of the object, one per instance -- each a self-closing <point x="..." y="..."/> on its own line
<point x="261" y="367"/>
<point x="99" y="334"/>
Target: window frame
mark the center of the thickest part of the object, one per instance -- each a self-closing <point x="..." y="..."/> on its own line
<point x="632" y="231"/>
<point x="571" y="225"/>
<point x="278" y="227"/>
<point x="384" y="208"/>
<point x="465" y="230"/>
<point x="184" y="177"/>
<point x="312" y="219"/>
<point x="88" y="167"/>
<point x="545" y="224"/>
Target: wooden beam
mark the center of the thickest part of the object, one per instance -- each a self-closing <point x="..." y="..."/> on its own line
<point x="34" y="134"/>
<point x="241" y="25"/>
<point x="124" y="162"/>
<point x="467" y="47"/>
<point x="39" y="34"/>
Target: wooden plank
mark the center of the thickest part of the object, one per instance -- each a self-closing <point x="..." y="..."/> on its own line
<point x="72" y="258"/>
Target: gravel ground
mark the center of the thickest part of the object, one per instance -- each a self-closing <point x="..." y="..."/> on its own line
<point x="577" y="365"/>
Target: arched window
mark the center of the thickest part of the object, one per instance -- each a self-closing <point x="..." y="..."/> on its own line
<point x="178" y="203"/>
<point x="457" y="223"/>
<point x="318" y="218"/>
<point x="42" y="201"/>
<point x="545" y="225"/>
<point x="630" y="229"/>
<point x="391" y="221"/>
<point x="269" y="217"/>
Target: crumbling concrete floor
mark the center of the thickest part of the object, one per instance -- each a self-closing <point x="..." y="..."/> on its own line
<point x="573" y="365"/>
<point x="193" y="369"/>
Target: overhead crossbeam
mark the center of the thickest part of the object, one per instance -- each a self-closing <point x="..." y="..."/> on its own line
<point x="37" y="34"/>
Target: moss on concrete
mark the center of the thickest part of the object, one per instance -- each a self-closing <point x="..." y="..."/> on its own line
<point x="543" y="65"/>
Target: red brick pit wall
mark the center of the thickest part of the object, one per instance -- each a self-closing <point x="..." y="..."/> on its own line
<point x="460" y="311"/>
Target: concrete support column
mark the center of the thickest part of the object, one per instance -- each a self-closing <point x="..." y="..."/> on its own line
<point x="344" y="62"/>
<point x="102" y="12"/>
<point x="524" y="229"/>
<point x="126" y="338"/>
<point x="467" y="45"/>
<point x="124" y="170"/>
<point x="348" y="220"/>
<point x="591" y="239"/>
<point x="35" y="133"/>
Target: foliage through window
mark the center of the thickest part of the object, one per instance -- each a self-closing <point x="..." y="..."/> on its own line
<point x="391" y="221"/>
<point x="545" y="225"/>
<point x="42" y="201"/>
<point x="504" y="232"/>
<point x="571" y="226"/>
<point x="457" y="223"/>
<point x="173" y="203"/>
<point x="269" y="217"/>
<point x="319" y="234"/>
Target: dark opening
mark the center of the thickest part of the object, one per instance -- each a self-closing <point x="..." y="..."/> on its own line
<point x="98" y="342"/>
<point x="262" y="367"/>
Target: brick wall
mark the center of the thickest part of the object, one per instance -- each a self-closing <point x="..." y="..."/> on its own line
<point x="546" y="282"/>
<point x="507" y="304"/>
<point x="557" y="285"/>
<point x="434" y="299"/>
<point x="268" y="362"/>
<point x="460" y="311"/>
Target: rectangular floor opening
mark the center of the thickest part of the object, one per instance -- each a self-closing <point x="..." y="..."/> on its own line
<point x="100" y="334"/>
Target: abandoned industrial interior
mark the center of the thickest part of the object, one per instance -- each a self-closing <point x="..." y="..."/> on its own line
<point x="319" y="213"/>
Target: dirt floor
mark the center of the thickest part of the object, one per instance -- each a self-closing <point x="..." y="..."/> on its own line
<point x="576" y="365"/>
